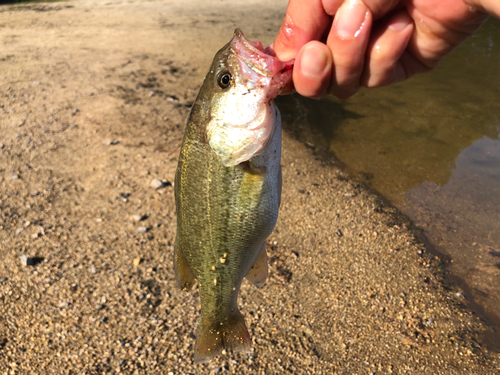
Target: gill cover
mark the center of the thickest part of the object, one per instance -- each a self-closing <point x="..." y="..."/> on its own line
<point x="243" y="116"/>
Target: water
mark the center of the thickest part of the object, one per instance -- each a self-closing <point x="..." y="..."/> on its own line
<point x="431" y="146"/>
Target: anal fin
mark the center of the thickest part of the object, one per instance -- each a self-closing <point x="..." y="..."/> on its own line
<point x="259" y="271"/>
<point x="183" y="274"/>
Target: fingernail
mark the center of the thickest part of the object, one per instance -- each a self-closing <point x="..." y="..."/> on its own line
<point x="313" y="62"/>
<point x="349" y="18"/>
<point x="399" y="22"/>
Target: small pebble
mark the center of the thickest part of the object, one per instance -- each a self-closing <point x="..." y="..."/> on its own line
<point x="142" y="229"/>
<point x="27" y="261"/>
<point x="124" y="197"/>
<point x="14" y="176"/>
<point x="138" y="217"/>
<point x="92" y="270"/>
<point x="156" y="183"/>
<point x="460" y="295"/>
<point x="137" y="261"/>
<point x="152" y="93"/>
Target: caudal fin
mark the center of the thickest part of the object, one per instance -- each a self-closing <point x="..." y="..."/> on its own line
<point x="215" y="336"/>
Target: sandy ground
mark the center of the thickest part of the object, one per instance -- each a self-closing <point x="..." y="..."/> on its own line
<point x="93" y="101"/>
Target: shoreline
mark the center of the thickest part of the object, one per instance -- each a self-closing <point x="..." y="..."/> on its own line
<point x="314" y="139"/>
<point x="449" y="279"/>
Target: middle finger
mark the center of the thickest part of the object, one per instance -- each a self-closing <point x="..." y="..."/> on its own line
<point x="347" y="40"/>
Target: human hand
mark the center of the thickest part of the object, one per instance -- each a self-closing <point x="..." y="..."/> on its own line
<point x="342" y="45"/>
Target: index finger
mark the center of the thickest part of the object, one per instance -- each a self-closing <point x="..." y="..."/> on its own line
<point x="305" y="20"/>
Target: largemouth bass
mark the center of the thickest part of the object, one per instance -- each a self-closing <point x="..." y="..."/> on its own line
<point x="228" y="188"/>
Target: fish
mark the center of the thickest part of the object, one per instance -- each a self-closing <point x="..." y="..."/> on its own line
<point x="228" y="188"/>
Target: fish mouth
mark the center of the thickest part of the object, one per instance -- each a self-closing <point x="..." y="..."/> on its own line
<point x="259" y="66"/>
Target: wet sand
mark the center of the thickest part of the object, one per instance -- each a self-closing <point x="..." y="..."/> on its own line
<point x="94" y="97"/>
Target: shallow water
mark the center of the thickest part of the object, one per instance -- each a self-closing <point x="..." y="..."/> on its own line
<point x="431" y="146"/>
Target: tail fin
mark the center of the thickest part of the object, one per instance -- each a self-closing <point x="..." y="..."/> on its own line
<point x="215" y="336"/>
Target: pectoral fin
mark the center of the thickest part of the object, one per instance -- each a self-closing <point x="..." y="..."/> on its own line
<point x="259" y="271"/>
<point x="183" y="274"/>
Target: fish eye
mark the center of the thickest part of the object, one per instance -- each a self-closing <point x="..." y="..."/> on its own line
<point x="224" y="79"/>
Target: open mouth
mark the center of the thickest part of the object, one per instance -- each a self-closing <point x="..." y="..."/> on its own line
<point x="262" y="61"/>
